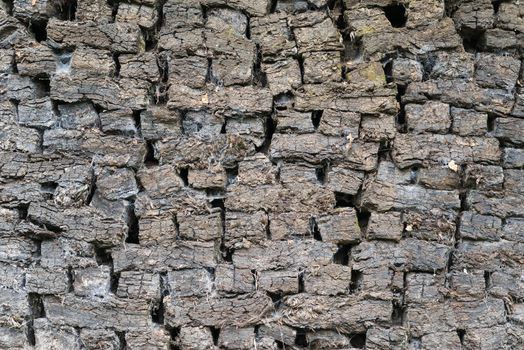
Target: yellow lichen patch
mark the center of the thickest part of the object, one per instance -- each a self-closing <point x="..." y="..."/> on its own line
<point x="366" y="30"/>
<point x="368" y="72"/>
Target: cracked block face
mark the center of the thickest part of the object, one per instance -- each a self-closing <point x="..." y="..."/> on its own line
<point x="295" y="174"/>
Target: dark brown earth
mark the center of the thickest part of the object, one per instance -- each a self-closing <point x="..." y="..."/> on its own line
<point x="262" y="174"/>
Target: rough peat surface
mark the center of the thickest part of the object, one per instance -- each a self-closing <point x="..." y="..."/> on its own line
<point x="262" y="174"/>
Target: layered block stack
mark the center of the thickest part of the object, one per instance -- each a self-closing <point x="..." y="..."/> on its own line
<point x="261" y="174"/>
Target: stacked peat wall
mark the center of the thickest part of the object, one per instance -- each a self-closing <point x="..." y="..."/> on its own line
<point x="261" y="174"/>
